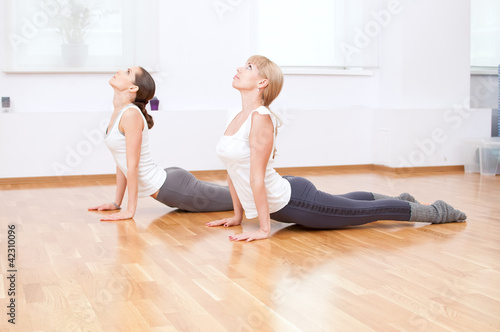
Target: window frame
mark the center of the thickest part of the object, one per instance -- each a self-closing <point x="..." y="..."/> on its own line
<point x="334" y="70"/>
<point x="488" y="69"/>
<point x="133" y="47"/>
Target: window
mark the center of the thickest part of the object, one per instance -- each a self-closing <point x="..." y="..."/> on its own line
<point x="485" y="33"/>
<point x="79" y="35"/>
<point x="321" y="33"/>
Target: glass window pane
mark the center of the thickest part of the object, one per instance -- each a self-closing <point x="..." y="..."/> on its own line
<point x="72" y="35"/>
<point x="485" y="33"/>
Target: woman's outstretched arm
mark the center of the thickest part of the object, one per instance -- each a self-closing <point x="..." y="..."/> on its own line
<point x="261" y="146"/>
<point x="238" y="209"/>
<point x="131" y="124"/>
<point x="121" y="185"/>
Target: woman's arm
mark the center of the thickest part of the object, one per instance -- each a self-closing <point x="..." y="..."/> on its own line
<point x="132" y="125"/>
<point x="121" y="185"/>
<point x="261" y="146"/>
<point x="238" y="209"/>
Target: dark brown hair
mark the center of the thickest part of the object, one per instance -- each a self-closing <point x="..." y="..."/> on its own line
<point x="146" y="92"/>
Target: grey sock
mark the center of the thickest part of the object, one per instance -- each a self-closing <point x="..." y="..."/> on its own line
<point x="402" y="197"/>
<point x="437" y="213"/>
<point x="409" y="198"/>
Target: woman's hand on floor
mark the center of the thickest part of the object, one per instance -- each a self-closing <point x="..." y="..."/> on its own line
<point x="226" y="222"/>
<point x="118" y="216"/>
<point x="250" y="236"/>
<point x="103" y="207"/>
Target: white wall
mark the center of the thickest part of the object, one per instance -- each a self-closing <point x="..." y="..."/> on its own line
<point x="331" y="120"/>
<point x="426" y="137"/>
<point x="56" y="143"/>
<point x="424" y="86"/>
<point x="425" y="60"/>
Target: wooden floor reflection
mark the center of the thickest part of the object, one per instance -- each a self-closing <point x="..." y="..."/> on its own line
<point x="166" y="271"/>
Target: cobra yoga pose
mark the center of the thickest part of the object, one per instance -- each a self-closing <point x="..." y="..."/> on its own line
<point x="258" y="191"/>
<point x="128" y="140"/>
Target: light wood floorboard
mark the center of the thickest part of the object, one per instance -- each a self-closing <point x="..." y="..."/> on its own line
<point x="166" y="271"/>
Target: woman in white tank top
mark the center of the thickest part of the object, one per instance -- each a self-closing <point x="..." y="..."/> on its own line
<point x="128" y="140"/>
<point x="247" y="150"/>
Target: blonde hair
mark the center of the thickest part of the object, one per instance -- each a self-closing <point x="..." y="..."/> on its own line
<point x="274" y="76"/>
<point x="272" y="72"/>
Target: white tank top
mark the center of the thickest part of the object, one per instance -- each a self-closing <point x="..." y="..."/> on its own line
<point x="234" y="151"/>
<point x="151" y="177"/>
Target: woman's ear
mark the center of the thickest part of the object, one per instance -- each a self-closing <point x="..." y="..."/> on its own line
<point x="133" y="88"/>
<point x="262" y="83"/>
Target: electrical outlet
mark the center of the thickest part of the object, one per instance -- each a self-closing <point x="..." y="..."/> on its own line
<point x="6" y="104"/>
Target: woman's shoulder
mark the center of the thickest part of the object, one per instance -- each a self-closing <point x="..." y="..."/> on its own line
<point x="131" y="107"/>
<point x="262" y="121"/>
<point x="132" y="117"/>
<point x="132" y="112"/>
<point x="263" y="110"/>
<point x="127" y="110"/>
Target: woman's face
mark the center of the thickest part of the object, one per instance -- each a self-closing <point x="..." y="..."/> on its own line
<point x="124" y="79"/>
<point x="247" y="77"/>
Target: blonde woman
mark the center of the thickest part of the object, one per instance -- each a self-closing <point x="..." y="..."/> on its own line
<point x="247" y="150"/>
<point x="128" y="140"/>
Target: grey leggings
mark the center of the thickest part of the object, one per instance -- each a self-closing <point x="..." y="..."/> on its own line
<point x="184" y="191"/>
<point x="312" y="208"/>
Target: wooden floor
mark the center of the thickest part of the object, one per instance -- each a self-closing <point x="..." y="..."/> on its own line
<point x="166" y="271"/>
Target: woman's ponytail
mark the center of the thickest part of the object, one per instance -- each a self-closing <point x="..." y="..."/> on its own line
<point x="142" y="107"/>
<point x="146" y="92"/>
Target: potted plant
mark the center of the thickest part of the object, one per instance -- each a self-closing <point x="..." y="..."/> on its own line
<point x="76" y="20"/>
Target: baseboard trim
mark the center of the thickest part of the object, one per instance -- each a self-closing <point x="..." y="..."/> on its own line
<point x="217" y="173"/>
<point x="419" y="170"/>
<point x="372" y="168"/>
<point x="58" y="179"/>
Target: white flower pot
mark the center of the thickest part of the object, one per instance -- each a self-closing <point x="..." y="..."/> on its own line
<point x="74" y="55"/>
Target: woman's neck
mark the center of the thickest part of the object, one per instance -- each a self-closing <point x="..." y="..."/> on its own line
<point x="121" y="100"/>
<point x="250" y="100"/>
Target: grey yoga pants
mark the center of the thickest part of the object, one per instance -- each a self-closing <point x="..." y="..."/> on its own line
<point x="312" y="208"/>
<point x="184" y="191"/>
